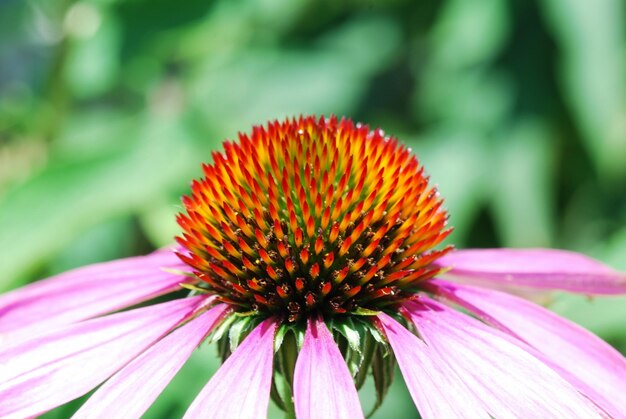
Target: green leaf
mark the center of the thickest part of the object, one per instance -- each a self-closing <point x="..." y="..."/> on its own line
<point x="469" y="33"/>
<point x="615" y="250"/>
<point x="102" y="242"/>
<point x="602" y="315"/>
<point x="522" y="197"/>
<point x="158" y="221"/>
<point x="93" y="62"/>
<point x="42" y="215"/>
<point x="450" y="156"/>
<point x="328" y="78"/>
<point x="591" y="37"/>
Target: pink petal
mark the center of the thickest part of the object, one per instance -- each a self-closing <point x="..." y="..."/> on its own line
<point x="533" y="268"/>
<point x="241" y="387"/>
<point x="57" y="367"/>
<point x="130" y="392"/>
<point x="436" y="390"/>
<point x="87" y="292"/>
<point x="323" y="386"/>
<point x="592" y="365"/>
<point x="508" y="380"/>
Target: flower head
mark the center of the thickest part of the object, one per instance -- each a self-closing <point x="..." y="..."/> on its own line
<point x="312" y="252"/>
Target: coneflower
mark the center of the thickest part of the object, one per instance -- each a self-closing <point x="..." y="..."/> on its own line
<point x="312" y="254"/>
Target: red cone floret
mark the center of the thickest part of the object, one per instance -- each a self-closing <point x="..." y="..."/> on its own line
<point x="313" y="216"/>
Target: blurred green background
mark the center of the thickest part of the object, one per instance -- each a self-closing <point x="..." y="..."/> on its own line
<point x="107" y="108"/>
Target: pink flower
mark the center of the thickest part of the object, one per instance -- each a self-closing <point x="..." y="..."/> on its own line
<point x="312" y="242"/>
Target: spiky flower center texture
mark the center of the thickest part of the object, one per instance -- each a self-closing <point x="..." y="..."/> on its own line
<point x="312" y="216"/>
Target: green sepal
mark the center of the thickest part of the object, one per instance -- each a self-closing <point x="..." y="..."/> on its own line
<point x="360" y="311"/>
<point x="287" y="355"/>
<point x="382" y="369"/>
<point x="223" y="349"/>
<point x="299" y="332"/>
<point x="180" y="272"/>
<point x="374" y="332"/>
<point x="369" y="347"/>
<point x="220" y="331"/>
<point x="246" y="313"/>
<point x="355" y="362"/>
<point x="195" y="290"/>
<point x="282" y="391"/>
<point x="231" y="332"/>
<point x="349" y="341"/>
<point x="282" y="331"/>
<point x="275" y="394"/>
<point x="279" y="337"/>
<point x="238" y="329"/>
<point x="348" y="330"/>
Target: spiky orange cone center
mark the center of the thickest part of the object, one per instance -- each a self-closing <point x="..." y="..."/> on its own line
<point x="311" y="216"/>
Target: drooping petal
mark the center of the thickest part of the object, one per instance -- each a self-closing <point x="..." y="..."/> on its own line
<point x="508" y="380"/>
<point x="130" y="392"/>
<point x="241" y="387"/>
<point x="436" y="390"/>
<point x="533" y="268"/>
<point x="323" y="386"/>
<point x="592" y="365"/>
<point x="87" y="292"/>
<point x="57" y="367"/>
